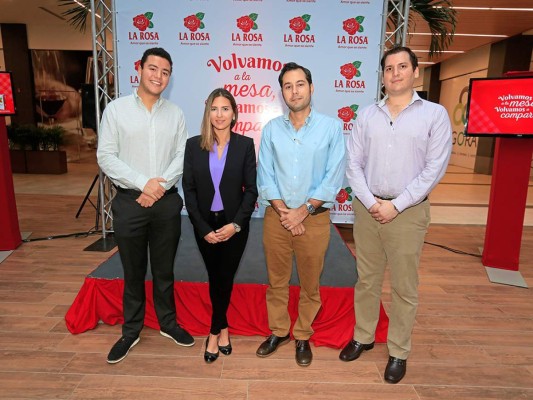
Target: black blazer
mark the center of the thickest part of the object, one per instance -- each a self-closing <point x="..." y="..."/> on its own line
<point x="237" y="185"/>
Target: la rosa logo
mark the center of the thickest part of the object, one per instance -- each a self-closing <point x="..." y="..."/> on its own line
<point x="246" y="24"/>
<point x="193" y="23"/>
<point x="344" y="200"/>
<point x="299" y="25"/>
<point x="134" y="78"/>
<point x="143" y="22"/>
<point x="353" y="27"/>
<point x="348" y="113"/>
<point x="350" y="71"/>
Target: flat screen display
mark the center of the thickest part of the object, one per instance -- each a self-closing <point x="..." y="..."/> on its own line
<point x="7" y="102"/>
<point x="500" y="107"/>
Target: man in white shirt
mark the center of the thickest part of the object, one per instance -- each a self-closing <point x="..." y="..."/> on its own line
<point x="397" y="153"/>
<point x="141" y="147"/>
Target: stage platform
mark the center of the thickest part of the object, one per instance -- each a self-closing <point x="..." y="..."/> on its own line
<point x="100" y="298"/>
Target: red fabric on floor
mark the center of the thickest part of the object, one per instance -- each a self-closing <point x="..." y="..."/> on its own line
<point x="101" y="300"/>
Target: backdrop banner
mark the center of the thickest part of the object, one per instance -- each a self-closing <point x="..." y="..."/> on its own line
<point x="242" y="45"/>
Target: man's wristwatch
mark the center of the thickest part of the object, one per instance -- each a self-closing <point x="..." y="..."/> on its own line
<point x="310" y="208"/>
<point x="237" y="227"/>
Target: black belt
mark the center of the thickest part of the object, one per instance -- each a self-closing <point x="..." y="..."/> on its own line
<point x="137" y="192"/>
<point x="320" y="210"/>
<point x="391" y="198"/>
<point x="383" y="197"/>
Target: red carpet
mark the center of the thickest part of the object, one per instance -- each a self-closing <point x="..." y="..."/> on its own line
<point x="101" y="300"/>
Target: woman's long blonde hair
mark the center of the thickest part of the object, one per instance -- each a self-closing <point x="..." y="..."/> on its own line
<point x="206" y="131"/>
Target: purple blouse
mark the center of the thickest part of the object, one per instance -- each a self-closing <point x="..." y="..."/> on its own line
<point x="216" y="166"/>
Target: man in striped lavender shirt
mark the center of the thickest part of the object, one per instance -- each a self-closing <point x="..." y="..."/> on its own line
<point x="397" y="153"/>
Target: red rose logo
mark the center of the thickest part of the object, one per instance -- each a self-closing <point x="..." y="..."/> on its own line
<point x="297" y="24"/>
<point x="346" y="114"/>
<point x="142" y="21"/>
<point x="300" y="24"/>
<point x="343" y="195"/>
<point x="351" y="26"/>
<point x="351" y="69"/>
<point x="247" y="22"/>
<point x="137" y="64"/>
<point x="192" y="23"/>
<point x="348" y="71"/>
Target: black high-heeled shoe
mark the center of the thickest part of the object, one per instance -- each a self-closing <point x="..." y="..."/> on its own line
<point x="209" y="357"/>
<point x="226" y="350"/>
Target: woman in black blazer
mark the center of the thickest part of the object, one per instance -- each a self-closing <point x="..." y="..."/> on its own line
<point x="220" y="194"/>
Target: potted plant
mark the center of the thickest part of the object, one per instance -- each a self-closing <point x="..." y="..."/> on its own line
<point x="17" y="141"/>
<point x="54" y="136"/>
<point x="35" y="149"/>
<point x="45" y="157"/>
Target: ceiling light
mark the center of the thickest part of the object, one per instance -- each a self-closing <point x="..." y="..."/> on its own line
<point x="488" y="8"/>
<point x="444" y="51"/>
<point x="461" y="34"/>
<point x="83" y="5"/>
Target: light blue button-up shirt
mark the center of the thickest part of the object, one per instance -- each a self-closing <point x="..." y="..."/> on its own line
<point x="295" y="166"/>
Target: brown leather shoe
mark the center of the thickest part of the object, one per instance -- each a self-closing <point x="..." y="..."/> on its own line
<point x="395" y="371"/>
<point x="353" y="350"/>
<point x="269" y="346"/>
<point x="304" y="356"/>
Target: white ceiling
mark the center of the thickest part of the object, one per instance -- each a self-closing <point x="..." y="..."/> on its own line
<point x="479" y="22"/>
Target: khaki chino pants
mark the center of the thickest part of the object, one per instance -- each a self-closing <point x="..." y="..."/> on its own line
<point x="310" y="250"/>
<point x="397" y="244"/>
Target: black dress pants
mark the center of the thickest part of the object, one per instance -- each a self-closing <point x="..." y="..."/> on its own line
<point x="139" y="232"/>
<point x="221" y="261"/>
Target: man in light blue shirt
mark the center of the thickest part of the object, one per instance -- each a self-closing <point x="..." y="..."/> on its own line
<point x="300" y="172"/>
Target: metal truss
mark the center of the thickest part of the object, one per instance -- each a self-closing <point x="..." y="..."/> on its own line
<point x="105" y="72"/>
<point x="396" y="17"/>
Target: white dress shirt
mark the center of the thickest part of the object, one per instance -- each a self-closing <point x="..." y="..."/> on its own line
<point x="135" y="145"/>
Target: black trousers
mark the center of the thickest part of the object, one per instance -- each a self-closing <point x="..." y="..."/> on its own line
<point x="221" y="261"/>
<point x="139" y="232"/>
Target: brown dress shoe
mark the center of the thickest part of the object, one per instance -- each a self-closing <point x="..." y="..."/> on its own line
<point x="269" y="346"/>
<point x="395" y="371"/>
<point x="353" y="350"/>
<point x="304" y="356"/>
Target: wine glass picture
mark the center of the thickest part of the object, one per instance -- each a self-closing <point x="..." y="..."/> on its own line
<point x="50" y="103"/>
<point x="50" y="85"/>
